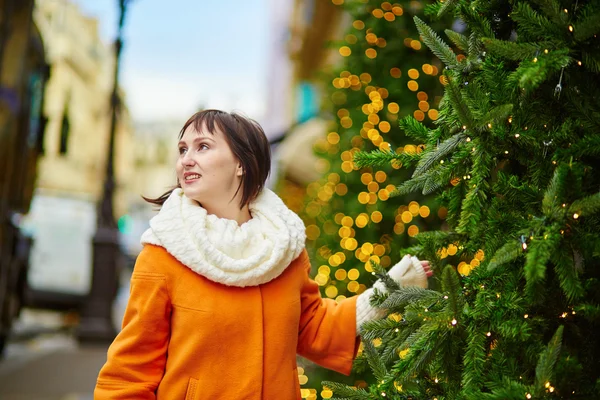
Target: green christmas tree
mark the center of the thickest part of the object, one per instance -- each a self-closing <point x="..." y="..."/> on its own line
<point x="514" y="158"/>
<point x="385" y="74"/>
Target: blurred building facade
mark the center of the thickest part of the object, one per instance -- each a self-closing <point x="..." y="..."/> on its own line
<point x="310" y="25"/>
<point x="23" y="76"/>
<point x="72" y="168"/>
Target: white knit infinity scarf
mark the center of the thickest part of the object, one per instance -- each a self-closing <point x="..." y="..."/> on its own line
<point x="219" y="249"/>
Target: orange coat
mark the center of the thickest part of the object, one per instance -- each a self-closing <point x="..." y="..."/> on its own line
<point x="186" y="337"/>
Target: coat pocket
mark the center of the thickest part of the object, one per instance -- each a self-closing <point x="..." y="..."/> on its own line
<point x="192" y="389"/>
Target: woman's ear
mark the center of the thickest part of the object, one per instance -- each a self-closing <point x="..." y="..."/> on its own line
<point x="240" y="170"/>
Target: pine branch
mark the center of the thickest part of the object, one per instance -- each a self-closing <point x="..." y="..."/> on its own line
<point x="555" y="193"/>
<point x="533" y="24"/>
<point x="413" y="128"/>
<point x="458" y="103"/>
<point x="538" y="254"/>
<point x="376" y="364"/>
<point x="551" y="9"/>
<point x="347" y="392"/>
<point x="498" y="114"/>
<point x="428" y="182"/>
<point x="473" y="360"/>
<point x="587" y="26"/>
<point x="451" y="285"/>
<point x="375" y="158"/>
<point x="512" y="50"/>
<point x="568" y="277"/>
<point x="507" y="253"/>
<point x="436" y="44"/>
<point x="587" y="206"/>
<point x="459" y="40"/>
<point x="434" y="156"/>
<point x="446" y="6"/>
<point x="545" y="367"/>
<point x="409" y="294"/>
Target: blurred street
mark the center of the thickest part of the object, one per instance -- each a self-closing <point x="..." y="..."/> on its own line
<point x="43" y="361"/>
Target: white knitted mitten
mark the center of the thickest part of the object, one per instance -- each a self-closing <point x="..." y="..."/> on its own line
<point x="407" y="272"/>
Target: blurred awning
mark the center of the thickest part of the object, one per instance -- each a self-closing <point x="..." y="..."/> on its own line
<point x="297" y="160"/>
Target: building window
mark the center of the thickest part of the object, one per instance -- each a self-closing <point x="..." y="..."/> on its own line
<point x="65" y="129"/>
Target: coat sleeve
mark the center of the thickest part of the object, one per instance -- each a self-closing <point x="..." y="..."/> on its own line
<point x="327" y="331"/>
<point x="137" y="357"/>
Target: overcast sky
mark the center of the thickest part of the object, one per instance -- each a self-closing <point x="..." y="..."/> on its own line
<point x="181" y="54"/>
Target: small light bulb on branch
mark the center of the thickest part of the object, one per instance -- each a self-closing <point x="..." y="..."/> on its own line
<point x="454" y="322"/>
<point x="575" y="216"/>
<point x="489" y="334"/>
<point x="570" y="28"/>
<point x="528" y="395"/>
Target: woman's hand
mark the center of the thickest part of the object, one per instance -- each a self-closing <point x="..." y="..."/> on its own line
<point x="427" y="268"/>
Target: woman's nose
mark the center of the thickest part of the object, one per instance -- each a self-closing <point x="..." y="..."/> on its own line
<point x="187" y="160"/>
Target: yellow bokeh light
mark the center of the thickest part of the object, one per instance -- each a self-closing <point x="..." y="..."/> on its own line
<point x="480" y="255"/>
<point x="373" y="187"/>
<point x="321" y="279"/>
<point x="464" y="268"/>
<point x="377" y="13"/>
<point x="363" y="197"/>
<point x="341" y="189"/>
<point x="395" y="72"/>
<point x="380" y="176"/>
<point x="347" y="221"/>
<point x="419" y="115"/>
<point x="397" y="10"/>
<point x="427" y="68"/>
<point x="340" y="274"/>
<point x="399" y="228"/>
<point x="424" y="211"/>
<point x="413" y="73"/>
<point x="371" y="38"/>
<point x="386" y="6"/>
<point x="345" y="51"/>
<point x="353" y="274"/>
<point x="393" y="108"/>
<point x="344" y="232"/>
<point x="422" y="96"/>
<point x="313" y="232"/>
<point x="383" y="92"/>
<point x="433" y="114"/>
<point x="383" y="194"/>
<point x="331" y="291"/>
<point x="358" y="25"/>
<point x="371" y="53"/>
<point x="475" y="263"/>
<point x="379" y="250"/>
<point x="407" y="217"/>
<point x="346" y="122"/>
<point x="367" y="248"/>
<point x="389" y="16"/>
<point x="362" y="221"/>
<point x="415" y="44"/>
<point x="366" y="178"/>
<point x="413" y="86"/>
<point x="413" y="230"/>
<point x="376" y="216"/>
<point x="338" y="218"/>
<point x="413" y="208"/>
<point x="351" y="244"/>
<point x="337" y="2"/>
<point x="324" y="269"/>
<point x="443" y="80"/>
<point x="384" y="126"/>
<point x="365" y="77"/>
<point x="372" y="198"/>
<point x="374" y="119"/>
<point x="452" y="249"/>
<point x="435" y="70"/>
<point x="333" y="138"/>
<point x="423" y="106"/>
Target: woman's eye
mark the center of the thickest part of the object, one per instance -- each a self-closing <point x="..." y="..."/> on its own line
<point x="203" y="146"/>
<point x="182" y="150"/>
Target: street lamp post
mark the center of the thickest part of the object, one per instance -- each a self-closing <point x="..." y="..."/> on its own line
<point x="96" y="315"/>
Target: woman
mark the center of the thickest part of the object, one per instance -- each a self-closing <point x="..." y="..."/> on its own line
<point x="221" y="299"/>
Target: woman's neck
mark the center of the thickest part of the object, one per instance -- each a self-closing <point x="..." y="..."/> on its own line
<point x="230" y="211"/>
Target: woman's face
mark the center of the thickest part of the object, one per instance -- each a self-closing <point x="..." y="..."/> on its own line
<point x="207" y="170"/>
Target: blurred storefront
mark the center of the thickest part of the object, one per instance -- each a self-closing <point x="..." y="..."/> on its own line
<point x="23" y="76"/>
<point x="62" y="220"/>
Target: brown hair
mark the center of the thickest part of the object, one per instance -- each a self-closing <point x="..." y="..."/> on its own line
<point x="248" y="144"/>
